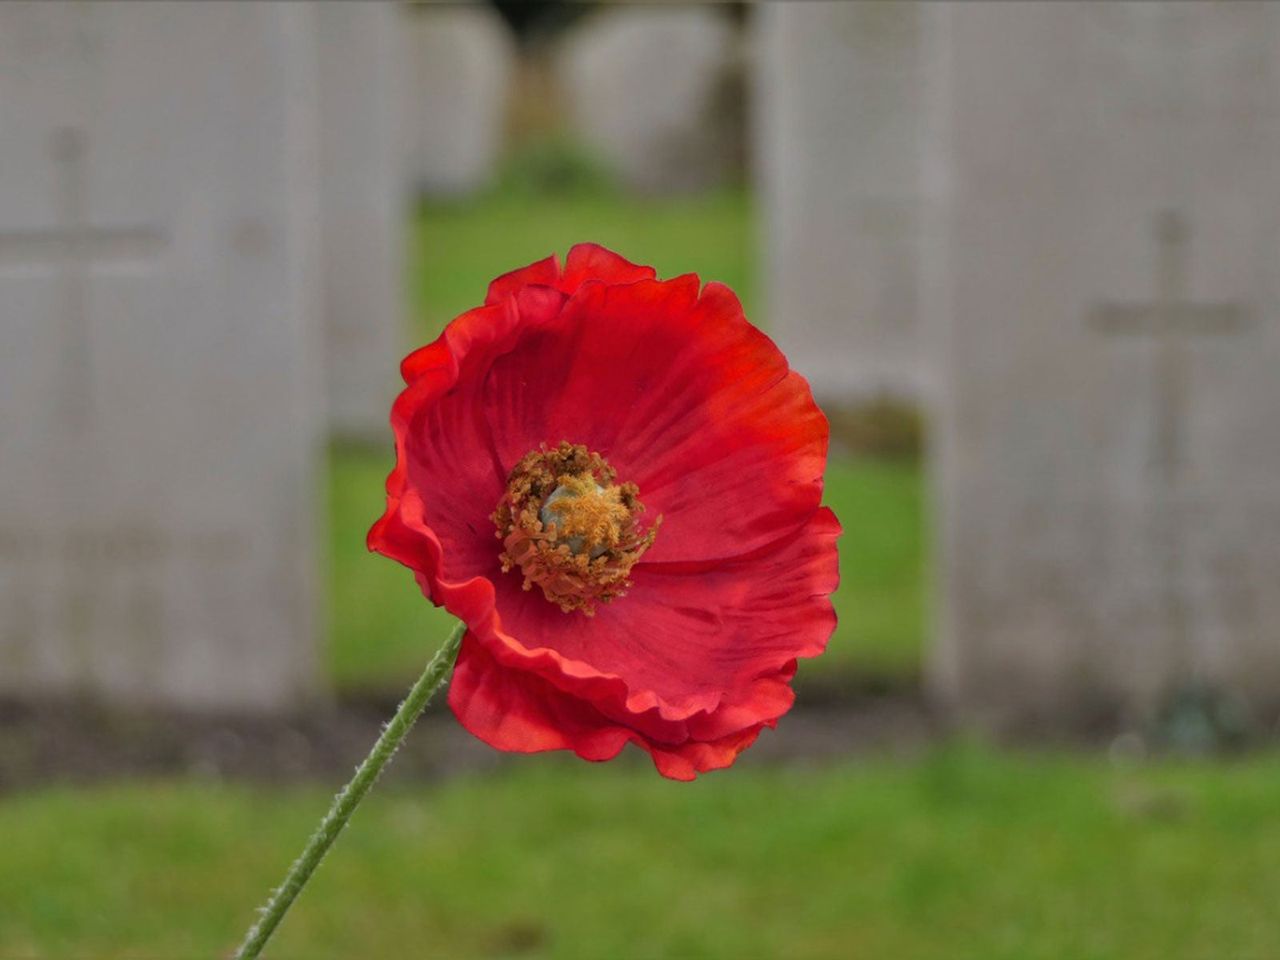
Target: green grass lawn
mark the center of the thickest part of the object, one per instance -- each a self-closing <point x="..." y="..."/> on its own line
<point x="456" y="249"/>
<point x="380" y="627"/>
<point x="963" y="854"/>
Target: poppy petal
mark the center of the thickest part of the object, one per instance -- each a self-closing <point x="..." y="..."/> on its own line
<point x="543" y="273"/>
<point x="590" y="261"/>
<point x="578" y="377"/>
<point x="445" y="482"/>
<point x="521" y="713"/>
<point x="684" y="398"/>
<point x="681" y="642"/>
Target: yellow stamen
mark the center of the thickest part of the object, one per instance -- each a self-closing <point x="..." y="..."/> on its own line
<point x="570" y="528"/>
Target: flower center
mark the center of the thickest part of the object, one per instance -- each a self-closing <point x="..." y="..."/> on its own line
<point x="570" y="528"/>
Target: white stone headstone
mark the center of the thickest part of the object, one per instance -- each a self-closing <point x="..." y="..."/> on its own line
<point x="643" y="85"/>
<point x="839" y="95"/>
<point x="461" y="61"/>
<point x="362" y="197"/>
<point x="160" y="398"/>
<point x="1106" y="277"/>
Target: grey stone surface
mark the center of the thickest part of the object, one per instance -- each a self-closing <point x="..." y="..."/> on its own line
<point x="1105" y="276"/>
<point x="461" y="61"/>
<point x="160" y="397"/>
<point x="645" y="86"/>
<point x="362" y="196"/>
<point x="839" y="97"/>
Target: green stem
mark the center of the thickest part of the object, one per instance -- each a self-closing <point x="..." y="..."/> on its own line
<point x="345" y="803"/>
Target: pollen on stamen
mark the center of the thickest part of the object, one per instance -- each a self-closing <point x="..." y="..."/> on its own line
<point x="587" y="517"/>
<point x="570" y="528"/>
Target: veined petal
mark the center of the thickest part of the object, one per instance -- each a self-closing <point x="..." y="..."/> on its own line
<point x="521" y="713"/>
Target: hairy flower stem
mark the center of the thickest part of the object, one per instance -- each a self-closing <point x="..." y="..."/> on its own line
<point x="345" y="803"/>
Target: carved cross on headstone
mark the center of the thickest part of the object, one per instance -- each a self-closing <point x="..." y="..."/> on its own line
<point x="1169" y="318"/>
<point x="72" y="249"/>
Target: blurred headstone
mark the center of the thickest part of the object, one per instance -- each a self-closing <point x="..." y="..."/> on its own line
<point x="160" y="397"/>
<point x="839" y="95"/>
<point x="1106" y="274"/>
<point x="650" y="91"/>
<point x="461" y="60"/>
<point x="362" y="208"/>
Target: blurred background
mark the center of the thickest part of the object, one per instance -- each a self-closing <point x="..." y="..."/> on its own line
<point x="1026" y="255"/>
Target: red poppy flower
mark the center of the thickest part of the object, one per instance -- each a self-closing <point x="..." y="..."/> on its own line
<point x="615" y="482"/>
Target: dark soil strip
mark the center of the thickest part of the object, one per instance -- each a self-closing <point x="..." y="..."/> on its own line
<point x="73" y="742"/>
